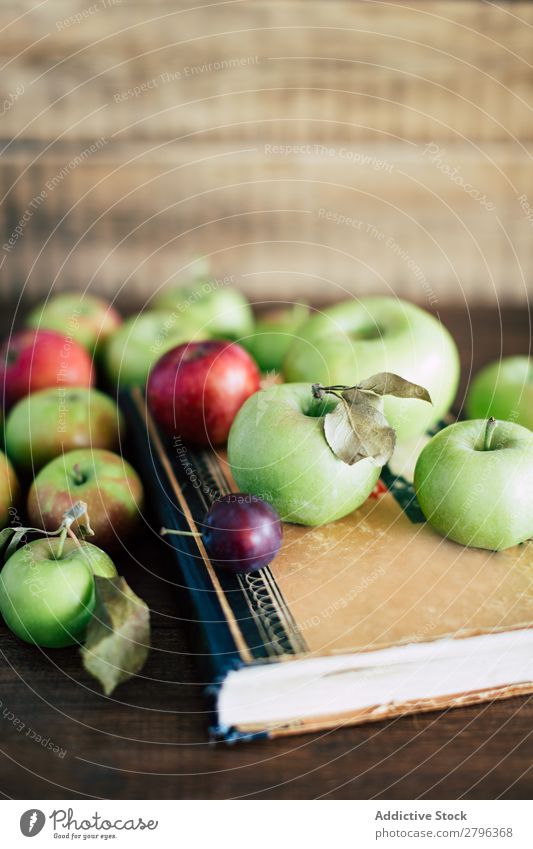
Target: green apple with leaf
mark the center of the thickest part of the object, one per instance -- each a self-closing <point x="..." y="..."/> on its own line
<point x="47" y="592"/>
<point x="59" y="591"/>
<point x="357" y="338"/>
<point x="474" y="483"/>
<point x="504" y="390"/>
<point x="315" y="452"/>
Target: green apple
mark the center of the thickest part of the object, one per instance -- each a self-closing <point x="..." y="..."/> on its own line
<point x="358" y="338"/>
<point x="108" y="485"/>
<point x="88" y="319"/>
<point x="218" y="310"/>
<point x="474" y="483"/>
<point x="141" y="341"/>
<point x="45" y="424"/>
<point x="277" y="450"/>
<point x="47" y="593"/>
<point x="503" y="389"/>
<point x="272" y="335"/>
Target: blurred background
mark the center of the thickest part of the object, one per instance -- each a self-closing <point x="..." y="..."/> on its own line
<point x="306" y="148"/>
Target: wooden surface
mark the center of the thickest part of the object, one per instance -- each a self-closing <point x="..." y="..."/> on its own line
<point x="150" y="739"/>
<point x="226" y="128"/>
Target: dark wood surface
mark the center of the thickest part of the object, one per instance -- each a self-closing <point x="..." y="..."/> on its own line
<point x="150" y="739"/>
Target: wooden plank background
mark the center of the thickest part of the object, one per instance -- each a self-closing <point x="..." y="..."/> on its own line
<point x="307" y="147"/>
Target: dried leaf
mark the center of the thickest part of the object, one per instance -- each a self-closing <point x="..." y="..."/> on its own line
<point x="354" y="395"/>
<point x="14" y="542"/>
<point x="118" y="635"/>
<point x="387" y="383"/>
<point x="356" y="429"/>
<point x="5" y="539"/>
<point x="75" y="512"/>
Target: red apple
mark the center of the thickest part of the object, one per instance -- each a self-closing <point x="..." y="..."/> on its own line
<point x="108" y="484"/>
<point x="37" y="359"/>
<point x="196" y="390"/>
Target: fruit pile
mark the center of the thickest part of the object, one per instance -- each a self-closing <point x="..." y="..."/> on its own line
<point x="358" y="377"/>
<point x="62" y="438"/>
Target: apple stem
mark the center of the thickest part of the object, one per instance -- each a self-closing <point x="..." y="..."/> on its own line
<point x="166" y="531"/>
<point x="489" y="431"/>
<point x="62" y="538"/>
<point x="77" y="511"/>
<point x="77" y="474"/>
<point x="319" y="391"/>
<point x="73" y="536"/>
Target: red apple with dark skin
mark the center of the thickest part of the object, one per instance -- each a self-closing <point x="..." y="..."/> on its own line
<point x="196" y="390"/>
<point x="108" y="485"/>
<point x="38" y="359"/>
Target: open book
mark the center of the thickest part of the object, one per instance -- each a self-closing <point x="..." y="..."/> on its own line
<point x="369" y="617"/>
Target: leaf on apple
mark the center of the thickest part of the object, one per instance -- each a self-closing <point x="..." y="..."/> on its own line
<point x="387" y="383"/>
<point x="118" y="635"/>
<point x="357" y="428"/>
<point x="10" y="539"/>
<point x="14" y="542"/>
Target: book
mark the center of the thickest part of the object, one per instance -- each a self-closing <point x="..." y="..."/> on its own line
<point x="369" y="617"/>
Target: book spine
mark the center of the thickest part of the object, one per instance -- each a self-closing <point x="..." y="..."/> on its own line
<point x="209" y="630"/>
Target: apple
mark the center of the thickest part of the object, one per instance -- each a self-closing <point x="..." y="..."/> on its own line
<point x="277" y="451"/>
<point x="108" y="485"/>
<point x="130" y="353"/>
<point x="474" y="483"/>
<point x="37" y="359"/>
<point x="217" y="309"/>
<point x="357" y="338"/>
<point x="47" y="423"/>
<point x="9" y="490"/>
<point x="88" y="319"/>
<point x="272" y="335"/>
<point x="47" y="593"/>
<point x="503" y="389"/>
<point x="196" y="390"/>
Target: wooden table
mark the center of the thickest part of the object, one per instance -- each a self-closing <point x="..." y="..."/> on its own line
<point x="150" y="739"/>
